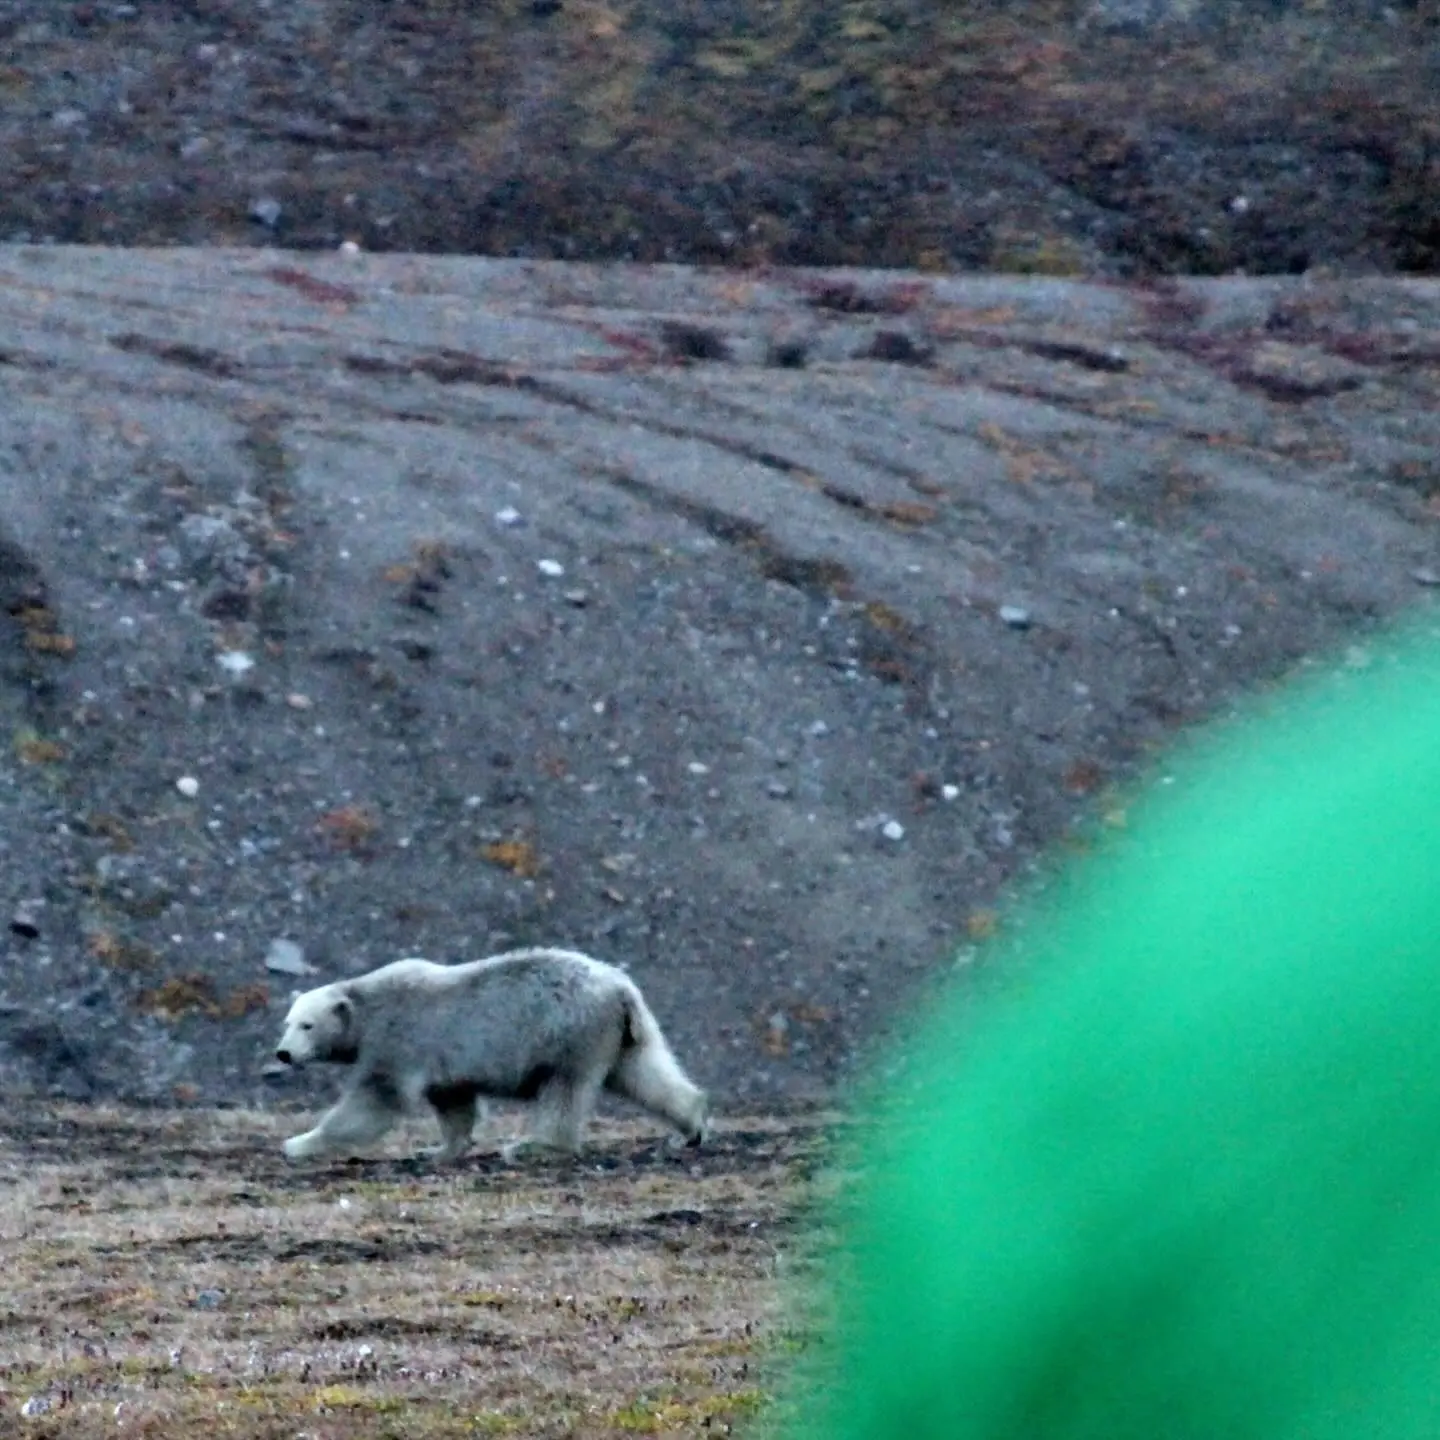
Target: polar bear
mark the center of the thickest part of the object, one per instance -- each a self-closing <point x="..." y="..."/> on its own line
<point x="552" y="1026"/>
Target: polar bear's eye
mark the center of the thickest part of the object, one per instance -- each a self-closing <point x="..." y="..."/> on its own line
<point x="307" y="1025"/>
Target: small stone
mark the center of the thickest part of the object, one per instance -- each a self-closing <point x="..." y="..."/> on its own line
<point x="297" y="701"/>
<point x="508" y="517"/>
<point x="235" y="662"/>
<point x="188" y="786"/>
<point x="35" y="1405"/>
<point x="267" y="211"/>
<point x="778" y="790"/>
<point x="1017" y="617"/>
<point x="819" y="728"/>
<point x="1424" y="575"/>
<point x="698" y="767"/>
<point x="24" y="924"/>
<point x="949" y="792"/>
<point x="553" y="568"/>
<point x="285" y="957"/>
<point x="209" y="1299"/>
<point x="893" y="830"/>
<point x="349" y="247"/>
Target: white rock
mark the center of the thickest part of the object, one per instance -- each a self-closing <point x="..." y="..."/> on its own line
<point x="508" y="516"/>
<point x="188" y="786"/>
<point x="893" y="830"/>
<point x="234" y="662"/>
<point x="949" y="792"/>
<point x="553" y="568"/>
<point x="285" y="957"/>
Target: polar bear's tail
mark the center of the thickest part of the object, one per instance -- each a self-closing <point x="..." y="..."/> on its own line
<point x="648" y="1073"/>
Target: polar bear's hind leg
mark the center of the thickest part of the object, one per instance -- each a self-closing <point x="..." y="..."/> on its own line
<point x="648" y="1073"/>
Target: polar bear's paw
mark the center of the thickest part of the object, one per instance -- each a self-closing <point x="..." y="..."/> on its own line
<point x="298" y="1148"/>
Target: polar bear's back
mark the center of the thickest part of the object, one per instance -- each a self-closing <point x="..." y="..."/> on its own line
<point x="498" y="1023"/>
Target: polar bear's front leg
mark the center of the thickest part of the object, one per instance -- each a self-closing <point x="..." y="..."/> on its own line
<point x="357" y="1122"/>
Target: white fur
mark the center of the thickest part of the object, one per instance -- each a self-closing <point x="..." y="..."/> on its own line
<point x="552" y="1026"/>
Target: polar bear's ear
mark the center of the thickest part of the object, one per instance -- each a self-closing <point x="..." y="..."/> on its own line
<point x="343" y="1010"/>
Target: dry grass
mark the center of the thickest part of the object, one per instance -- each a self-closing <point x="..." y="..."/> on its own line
<point x="169" y="1269"/>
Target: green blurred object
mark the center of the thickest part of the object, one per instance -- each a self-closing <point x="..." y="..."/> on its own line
<point x="1180" y="1178"/>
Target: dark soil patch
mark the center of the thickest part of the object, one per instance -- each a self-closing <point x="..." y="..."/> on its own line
<point x="1039" y="136"/>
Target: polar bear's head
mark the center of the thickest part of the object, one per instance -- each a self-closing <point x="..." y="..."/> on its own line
<point x="320" y="1026"/>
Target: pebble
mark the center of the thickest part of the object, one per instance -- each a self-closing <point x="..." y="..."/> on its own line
<point x="296" y="701"/>
<point x="698" y="767"/>
<point x="209" y="1299"/>
<point x="508" y="517"/>
<point x="235" y="662"/>
<point x="949" y="792"/>
<point x="553" y="568"/>
<point x="819" y="728"/>
<point x="35" y="1405"/>
<point x="188" y="786"/>
<point x="267" y="211"/>
<point x="578" y="598"/>
<point x="893" y="830"/>
<point x="24" y="924"/>
<point x="778" y="790"/>
<point x="1017" y="617"/>
<point x="1424" y="575"/>
<point x="285" y="957"/>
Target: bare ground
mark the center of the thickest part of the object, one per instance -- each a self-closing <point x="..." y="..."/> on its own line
<point x="169" y="1271"/>
<point x="1052" y="136"/>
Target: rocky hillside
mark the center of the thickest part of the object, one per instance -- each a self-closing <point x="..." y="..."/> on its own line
<point x="1061" y="137"/>
<point x="753" y="630"/>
